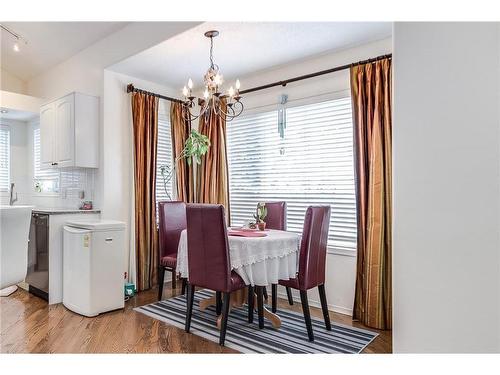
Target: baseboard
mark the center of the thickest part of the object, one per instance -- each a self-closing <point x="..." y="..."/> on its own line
<point x="314" y="303"/>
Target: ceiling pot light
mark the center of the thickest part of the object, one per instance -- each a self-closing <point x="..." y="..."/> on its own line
<point x="4" y="111"/>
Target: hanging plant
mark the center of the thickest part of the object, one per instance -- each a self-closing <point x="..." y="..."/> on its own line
<point x="195" y="147"/>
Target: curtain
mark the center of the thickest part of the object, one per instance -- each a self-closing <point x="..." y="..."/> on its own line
<point x="145" y="127"/>
<point x="212" y="175"/>
<point x="184" y="173"/>
<point x="371" y="103"/>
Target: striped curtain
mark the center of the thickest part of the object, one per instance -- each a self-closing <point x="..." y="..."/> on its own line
<point x="371" y="103"/>
<point x="180" y="128"/>
<point x="145" y="128"/>
<point x="212" y="175"/>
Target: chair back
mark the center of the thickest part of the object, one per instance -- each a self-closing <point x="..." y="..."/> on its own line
<point x="312" y="257"/>
<point x="276" y="215"/>
<point x="172" y="222"/>
<point x="208" y="248"/>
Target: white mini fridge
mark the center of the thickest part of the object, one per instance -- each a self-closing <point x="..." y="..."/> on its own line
<point x="93" y="266"/>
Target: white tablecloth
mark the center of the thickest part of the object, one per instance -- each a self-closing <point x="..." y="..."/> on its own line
<point x="258" y="260"/>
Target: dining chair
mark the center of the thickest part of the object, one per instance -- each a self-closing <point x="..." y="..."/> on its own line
<point x="172" y="221"/>
<point x="209" y="263"/>
<point x="276" y="219"/>
<point x="312" y="259"/>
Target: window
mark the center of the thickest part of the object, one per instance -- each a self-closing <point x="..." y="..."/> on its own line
<point x="311" y="165"/>
<point x="163" y="159"/>
<point x="45" y="180"/>
<point x="4" y="158"/>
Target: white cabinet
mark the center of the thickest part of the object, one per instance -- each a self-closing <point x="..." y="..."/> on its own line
<point x="69" y="131"/>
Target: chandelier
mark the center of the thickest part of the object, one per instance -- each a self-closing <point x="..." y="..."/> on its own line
<point x="212" y="95"/>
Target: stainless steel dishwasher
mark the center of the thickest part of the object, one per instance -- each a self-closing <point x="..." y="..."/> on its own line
<point x="38" y="256"/>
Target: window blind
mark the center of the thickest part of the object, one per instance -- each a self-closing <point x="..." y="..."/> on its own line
<point x="311" y="165"/>
<point x="47" y="178"/>
<point x="163" y="157"/>
<point x="4" y="158"/>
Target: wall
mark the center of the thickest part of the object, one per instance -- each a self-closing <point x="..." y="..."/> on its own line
<point x="446" y="143"/>
<point x="20" y="102"/>
<point x="118" y="154"/>
<point x="341" y="266"/>
<point x="19" y="161"/>
<point x="9" y="82"/>
<point x="84" y="72"/>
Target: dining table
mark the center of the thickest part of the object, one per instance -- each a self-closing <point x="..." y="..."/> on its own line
<point x="260" y="259"/>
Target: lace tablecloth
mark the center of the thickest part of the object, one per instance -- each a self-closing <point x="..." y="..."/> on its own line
<point x="259" y="261"/>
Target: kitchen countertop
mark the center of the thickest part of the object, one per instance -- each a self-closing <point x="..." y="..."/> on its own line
<point x="62" y="210"/>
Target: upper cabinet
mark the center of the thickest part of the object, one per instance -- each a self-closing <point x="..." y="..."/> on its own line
<point x="69" y="132"/>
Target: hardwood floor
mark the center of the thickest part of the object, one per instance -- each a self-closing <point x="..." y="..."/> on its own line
<point x="29" y="325"/>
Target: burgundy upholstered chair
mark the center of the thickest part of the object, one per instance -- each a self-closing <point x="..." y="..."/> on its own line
<point x="208" y="258"/>
<point x="172" y="222"/>
<point x="312" y="259"/>
<point x="276" y="219"/>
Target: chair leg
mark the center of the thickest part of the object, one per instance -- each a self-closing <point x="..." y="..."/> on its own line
<point x="260" y="305"/>
<point x="324" y="306"/>
<point x="161" y="275"/>
<point x="225" y="313"/>
<point x="184" y="282"/>
<point x="174" y="279"/>
<point x="264" y="289"/>
<point x="218" y="303"/>
<point x="307" y="314"/>
<point x="189" y="312"/>
<point x="274" y="297"/>
<point x="289" y="295"/>
<point x="250" y="304"/>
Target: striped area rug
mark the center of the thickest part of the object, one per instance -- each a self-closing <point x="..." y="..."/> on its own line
<point x="244" y="337"/>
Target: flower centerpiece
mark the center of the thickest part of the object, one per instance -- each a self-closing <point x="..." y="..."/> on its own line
<point x="260" y="216"/>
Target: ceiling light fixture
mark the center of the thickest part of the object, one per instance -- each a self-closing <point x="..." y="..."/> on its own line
<point x="18" y="38"/>
<point x="211" y="101"/>
<point x="4" y="111"/>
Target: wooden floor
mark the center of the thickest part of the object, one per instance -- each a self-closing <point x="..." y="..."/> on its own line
<point x="29" y="325"/>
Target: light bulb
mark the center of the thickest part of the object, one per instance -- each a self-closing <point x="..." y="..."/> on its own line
<point x="16" y="47"/>
<point x="205" y="93"/>
<point x="185" y="91"/>
<point x="218" y="79"/>
<point x="238" y="84"/>
<point x="231" y="92"/>
<point x="190" y="83"/>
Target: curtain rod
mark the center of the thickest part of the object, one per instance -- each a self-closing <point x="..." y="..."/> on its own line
<point x="131" y="88"/>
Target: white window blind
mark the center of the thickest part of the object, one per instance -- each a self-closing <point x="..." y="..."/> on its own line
<point x="46" y="179"/>
<point x="4" y="158"/>
<point x="311" y="165"/>
<point x="163" y="157"/>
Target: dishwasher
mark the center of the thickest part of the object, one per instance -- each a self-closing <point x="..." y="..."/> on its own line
<point x="38" y="256"/>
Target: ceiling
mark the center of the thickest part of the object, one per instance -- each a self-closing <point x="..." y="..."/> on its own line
<point x="245" y="47"/>
<point x="49" y="43"/>
<point x="14" y="114"/>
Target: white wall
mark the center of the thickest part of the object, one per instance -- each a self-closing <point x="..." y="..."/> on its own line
<point x="9" y="82"/>
<point x="118" y="166"/>
<point x="446" y="143"/>
<point x="84" y="72"/>
<point x="19" y="161"/>
<point x="341" y="267"/>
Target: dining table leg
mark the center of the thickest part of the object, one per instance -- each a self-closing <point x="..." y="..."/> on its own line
<point x="238" y="299"/>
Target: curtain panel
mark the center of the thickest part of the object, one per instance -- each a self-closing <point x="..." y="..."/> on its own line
<point x="371" y="103"/>
<point x="184" y="176"/>
<point x="212" y="174"/>
<point x="145" y="129"/>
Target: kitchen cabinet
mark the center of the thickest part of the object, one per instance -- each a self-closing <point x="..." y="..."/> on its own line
<point x="69" y="132"/>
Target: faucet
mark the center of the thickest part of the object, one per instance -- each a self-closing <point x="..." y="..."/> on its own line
<point x="12" y="199"/>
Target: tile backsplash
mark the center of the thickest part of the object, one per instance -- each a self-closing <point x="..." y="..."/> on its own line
<point x="75" y="186"/>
